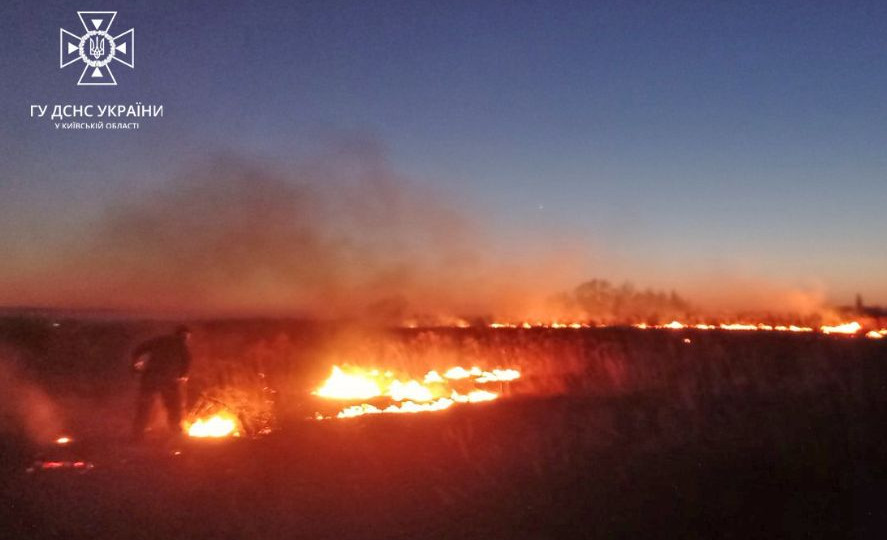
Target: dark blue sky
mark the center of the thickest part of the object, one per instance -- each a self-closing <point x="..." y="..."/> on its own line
<point x="677" y="141"/>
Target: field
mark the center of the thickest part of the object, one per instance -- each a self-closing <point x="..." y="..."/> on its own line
<point x="610" y="432"/>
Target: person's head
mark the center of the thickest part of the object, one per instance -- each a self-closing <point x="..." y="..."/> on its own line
<point x="183" y="333"/>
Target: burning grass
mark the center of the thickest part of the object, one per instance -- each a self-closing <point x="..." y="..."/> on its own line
<point x="601" y="426"/>
<point x="850" y="328"/>
<point x="218" y="425"/>
<point x="408" y="371"/>
<point x="433" y="392"/>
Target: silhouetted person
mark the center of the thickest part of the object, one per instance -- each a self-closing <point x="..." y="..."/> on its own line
<point x="163" y="363"/>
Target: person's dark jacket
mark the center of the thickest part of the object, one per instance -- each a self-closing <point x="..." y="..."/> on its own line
<point x="168" y="357"/>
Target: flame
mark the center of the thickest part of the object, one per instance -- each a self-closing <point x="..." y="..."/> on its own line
<point x="410" y="390"/>
<point x="405" y="407"/>
<point x="540" y="324"/>
<point x="433" y="393"/>
<point x="433" y="377"/>
<point x="63" y="440"/>
<point x="851" y="328"/>
<point x="219" y="425"/>
<point x="457" y="373"/>
<point x="674" y="325"/>
<point x="498" y="375"/>
<point x="846" y="328"/>
<point x="740" y="326"/>
<point x="730" y="327"/>
<point x="343" y="385"/>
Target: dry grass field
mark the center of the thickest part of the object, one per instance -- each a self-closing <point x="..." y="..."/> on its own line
<point x="611" y="432"/>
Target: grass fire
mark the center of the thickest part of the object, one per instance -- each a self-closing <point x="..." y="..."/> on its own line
<point x="434" y="392"/>
<point x="535" y="422"/>
<point x="218" y="425"/>
<point x="359" y="270"/>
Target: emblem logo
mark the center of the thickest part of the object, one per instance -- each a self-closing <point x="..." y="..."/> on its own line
<point x="96" y="48"/>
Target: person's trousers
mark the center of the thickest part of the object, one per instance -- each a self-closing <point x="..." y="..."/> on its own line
<point x="170" y="394"/>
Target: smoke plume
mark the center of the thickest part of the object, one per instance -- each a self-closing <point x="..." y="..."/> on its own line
<point x="338" y="235"/>
<point x="25" y="407"/>
<point x="342" y="234"/>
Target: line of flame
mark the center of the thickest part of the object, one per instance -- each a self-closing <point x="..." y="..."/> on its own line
<point x="847" y="328"/>
<point x="350" y="383"/>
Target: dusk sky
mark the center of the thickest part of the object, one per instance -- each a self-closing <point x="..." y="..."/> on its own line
<point x="679" y="143"/>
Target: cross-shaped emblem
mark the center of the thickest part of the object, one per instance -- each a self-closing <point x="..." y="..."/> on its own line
<point x="96" y="48"/>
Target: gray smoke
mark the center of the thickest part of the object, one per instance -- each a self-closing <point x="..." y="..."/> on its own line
<point x="25" y="407"/>
<point x="338" y="235"/>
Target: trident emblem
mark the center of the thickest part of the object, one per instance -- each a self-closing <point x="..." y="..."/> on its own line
<point x="97" y="47"/>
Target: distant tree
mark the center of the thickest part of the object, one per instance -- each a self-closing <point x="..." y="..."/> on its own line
<point x="600" y="300"/>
